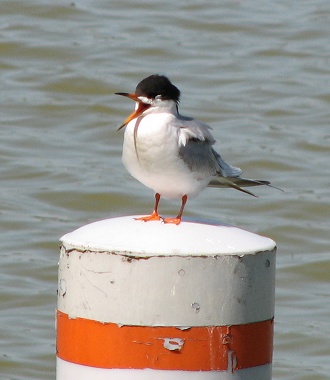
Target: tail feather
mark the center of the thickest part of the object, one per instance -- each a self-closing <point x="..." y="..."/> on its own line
<point x="237" y="183"/>
<point x="229" y="182"/>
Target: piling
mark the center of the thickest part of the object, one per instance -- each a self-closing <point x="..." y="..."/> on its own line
<point x="159" y="301"/>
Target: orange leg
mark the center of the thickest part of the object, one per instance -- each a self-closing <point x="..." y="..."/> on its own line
<point x="154" y="215"/>
<point x="177" y="220"/>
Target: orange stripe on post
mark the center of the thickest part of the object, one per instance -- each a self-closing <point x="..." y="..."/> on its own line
<point x="209" y="348"/>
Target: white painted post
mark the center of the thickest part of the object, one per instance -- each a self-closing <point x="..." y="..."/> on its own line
<point x="158" y="301"/>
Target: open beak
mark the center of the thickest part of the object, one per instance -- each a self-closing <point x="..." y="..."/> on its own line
<point x="141" y="108"/>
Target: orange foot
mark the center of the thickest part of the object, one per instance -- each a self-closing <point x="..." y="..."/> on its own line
<point x="153" y="216"/>
<point x="172" y="220"/>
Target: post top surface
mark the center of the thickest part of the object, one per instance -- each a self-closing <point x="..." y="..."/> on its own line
<point x="125" y="235"/>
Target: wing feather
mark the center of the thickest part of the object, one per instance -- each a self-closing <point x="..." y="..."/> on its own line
<point x="195" y="149"/>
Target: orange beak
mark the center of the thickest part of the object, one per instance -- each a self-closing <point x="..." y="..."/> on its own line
<point x="141" y="108"/>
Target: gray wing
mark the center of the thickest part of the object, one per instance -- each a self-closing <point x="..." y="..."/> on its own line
<point x="198" y="156"/>
<point x="224" y="169"/>
<point x="230" y="176"/>
<point x="189" y="128"/>
<point x="195" y="148"/>
<point x="203" y="160"/>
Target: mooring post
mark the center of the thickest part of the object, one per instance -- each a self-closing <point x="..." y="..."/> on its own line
<point x="158" y="301"/>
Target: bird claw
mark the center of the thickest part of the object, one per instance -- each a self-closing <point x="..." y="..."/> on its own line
<point x="172" y="220"/>
<point x="153" y="217"/>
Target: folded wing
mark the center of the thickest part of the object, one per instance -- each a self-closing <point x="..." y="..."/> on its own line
<point x="195" y="149"/>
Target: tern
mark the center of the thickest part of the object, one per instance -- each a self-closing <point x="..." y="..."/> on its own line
<point x="173" y="154"/>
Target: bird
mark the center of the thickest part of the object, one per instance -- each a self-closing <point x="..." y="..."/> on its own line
<point x="170" y="153"/>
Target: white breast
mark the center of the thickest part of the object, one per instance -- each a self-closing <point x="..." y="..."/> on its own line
<point x="155" y="160"/>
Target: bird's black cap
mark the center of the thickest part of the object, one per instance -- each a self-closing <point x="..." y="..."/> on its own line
<point x="155" y="85"/>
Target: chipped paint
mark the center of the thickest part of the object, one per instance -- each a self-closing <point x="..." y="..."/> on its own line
<point x="89" y="275"/>
<point x="62" y="287"/>
<point x="173" y="344"/>
<point x="198" y="299"/>
<point x="196" y="307"/>
<point x="232" y="361"/>
<point x="183" y="328"/>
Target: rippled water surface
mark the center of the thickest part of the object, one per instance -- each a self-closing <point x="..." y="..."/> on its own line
<point x="257" y="71"/>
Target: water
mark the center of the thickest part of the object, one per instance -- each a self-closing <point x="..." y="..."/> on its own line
<point x="256" y="71"/>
